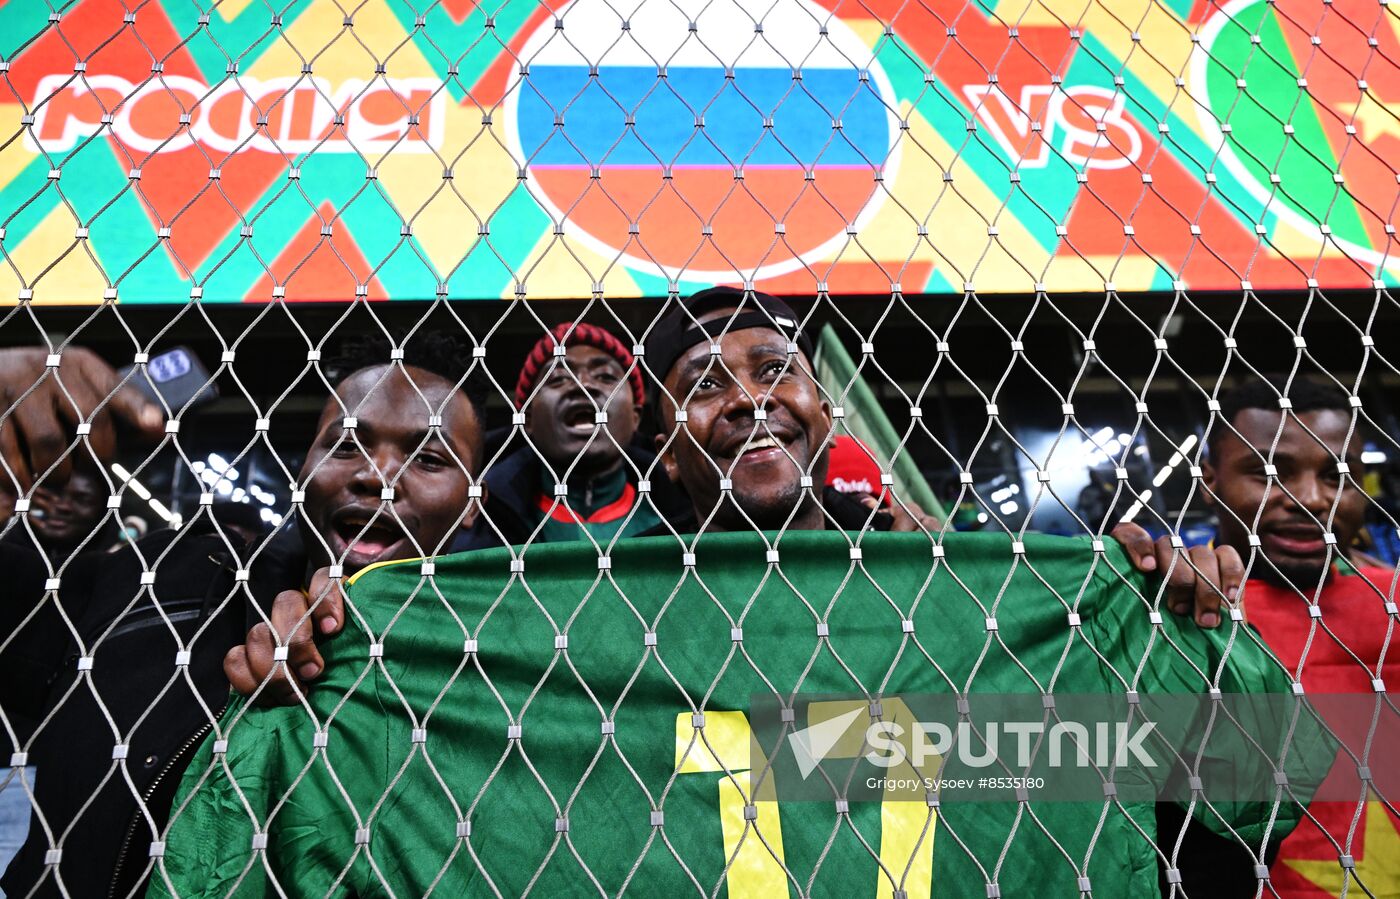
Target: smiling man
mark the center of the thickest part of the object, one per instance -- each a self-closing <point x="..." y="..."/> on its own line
<point x="64" y="517"/>
<point x="743" y="425"/>
<point x="1308" y="494"/>
<point x="198" y="604"/>
<point x="744" y="429"/>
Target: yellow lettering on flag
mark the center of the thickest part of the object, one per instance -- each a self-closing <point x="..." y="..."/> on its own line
<point x="906" y="826"/>
<point x="753" y="831"/>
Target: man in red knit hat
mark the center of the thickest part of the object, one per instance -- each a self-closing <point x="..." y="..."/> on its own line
<point x="578" y="471"/>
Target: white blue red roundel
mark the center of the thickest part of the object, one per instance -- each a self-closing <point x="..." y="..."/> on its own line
<point x="700" y="141"/>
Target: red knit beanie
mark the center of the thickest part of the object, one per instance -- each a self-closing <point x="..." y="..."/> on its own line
<point x="537" y="360"/>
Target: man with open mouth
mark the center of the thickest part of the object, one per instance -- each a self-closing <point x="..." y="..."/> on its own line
<point x="581" y="412"/>
<point x="1315" y="485"/>
<point x="578" y="474"/>
<point x="389" y="476"/>
<point x="743" y="425"/>
<point x="744" y="428"/>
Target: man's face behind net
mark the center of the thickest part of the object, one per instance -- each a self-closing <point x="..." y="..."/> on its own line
<point x="562" y="414"/>
<point x="754" y="417"/>
<point x="348" y="470"/>
<point x="1306" y="498"/>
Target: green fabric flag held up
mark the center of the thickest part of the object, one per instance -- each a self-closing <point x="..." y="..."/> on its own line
<point x="496" y="732"/>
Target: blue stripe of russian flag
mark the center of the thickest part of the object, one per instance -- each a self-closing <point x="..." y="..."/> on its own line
<point x="802" y="113"/>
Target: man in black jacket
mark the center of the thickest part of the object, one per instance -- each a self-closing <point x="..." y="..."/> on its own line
<point x="120" y="698"/>
<point x="125" y="691"/>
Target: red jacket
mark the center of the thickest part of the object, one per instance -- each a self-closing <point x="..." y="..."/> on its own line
<point x="1354" y="641"/>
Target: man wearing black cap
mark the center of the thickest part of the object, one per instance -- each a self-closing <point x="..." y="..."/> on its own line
<point x="743" y="426"/>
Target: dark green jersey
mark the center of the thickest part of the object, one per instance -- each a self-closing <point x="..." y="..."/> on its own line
<point x="493" y="731"/>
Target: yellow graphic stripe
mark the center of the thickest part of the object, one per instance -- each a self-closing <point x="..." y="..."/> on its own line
<point x="373" y="565"/>
<point x="755" y="869"/>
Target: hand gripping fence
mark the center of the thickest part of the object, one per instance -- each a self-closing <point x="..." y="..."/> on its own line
<point x="1055" y="277"/>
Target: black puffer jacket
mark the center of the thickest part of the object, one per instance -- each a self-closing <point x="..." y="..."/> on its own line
<point x="160" y="705"/>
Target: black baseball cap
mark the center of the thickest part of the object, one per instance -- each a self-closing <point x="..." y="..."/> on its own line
<point x="677" y="331"/>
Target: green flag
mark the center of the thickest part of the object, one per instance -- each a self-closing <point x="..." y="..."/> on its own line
<point x="867" y="422"/>
<point x="578" y="727"/>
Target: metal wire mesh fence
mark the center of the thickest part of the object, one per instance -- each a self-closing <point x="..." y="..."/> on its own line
<point x="1080" y="388"/>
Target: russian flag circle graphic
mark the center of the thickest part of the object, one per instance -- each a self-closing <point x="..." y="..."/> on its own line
<point x="703" y="141"/>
